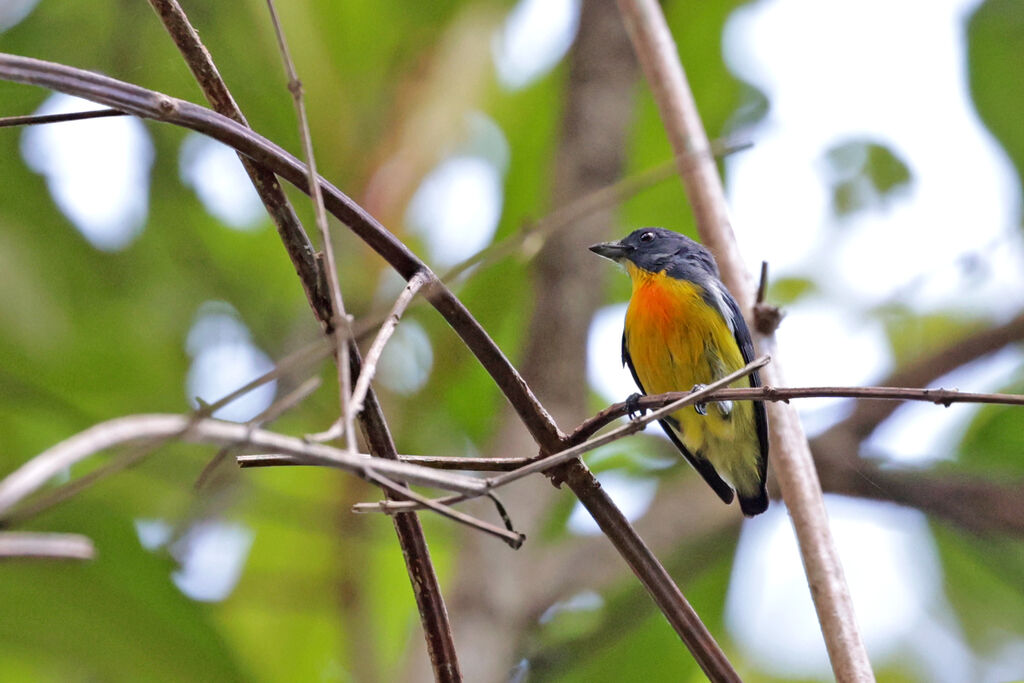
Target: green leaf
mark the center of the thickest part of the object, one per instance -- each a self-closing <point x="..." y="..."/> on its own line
<point x="864" y="175"/>
<point x="995" y="43"/>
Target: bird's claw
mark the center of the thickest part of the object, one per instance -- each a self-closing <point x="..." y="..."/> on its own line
<point x="633" y="408"/>
<point x="701" y="408"/>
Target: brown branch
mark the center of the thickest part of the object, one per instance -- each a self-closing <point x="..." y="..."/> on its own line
<point x="429" y="600"/>
<point x="791" y="454"/>
<point x="33" y="120"/>
<point x="867" y="416"/>
<point x="17" y="545"/>
<point x="339" y="324"/>
<point x="40" y="469"/>
<point x="159" y="107"/>
<point x="293" y="235"/>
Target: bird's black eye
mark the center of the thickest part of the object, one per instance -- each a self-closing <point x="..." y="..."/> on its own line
<point x="647" y="237"/>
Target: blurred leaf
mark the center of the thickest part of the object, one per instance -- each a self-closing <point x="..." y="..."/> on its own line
<point x="913" y="336"/>
<point x="864" y="175"/>
<point x="115" y="618"/>
<point x="984" y="581"/>
<point x="995" y="43"/>
<point x="994" y="440"/>
<point x="786" y="290"/>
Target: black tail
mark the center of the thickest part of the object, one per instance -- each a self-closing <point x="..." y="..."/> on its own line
<point x="754" y="505"/>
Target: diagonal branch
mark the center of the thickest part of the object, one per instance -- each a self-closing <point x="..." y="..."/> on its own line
<point x="339" y="325"/>
<point x="159" y="107"/>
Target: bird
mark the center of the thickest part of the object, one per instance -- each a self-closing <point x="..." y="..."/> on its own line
<point x="683" y="329"/>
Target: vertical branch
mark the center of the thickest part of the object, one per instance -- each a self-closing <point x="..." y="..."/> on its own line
<point x="293" y="236"/>
<point x="791" y="454"/>
<point x="339" y="321"/>
<point x="433" y="613"/>
<point x="430" y="602"/>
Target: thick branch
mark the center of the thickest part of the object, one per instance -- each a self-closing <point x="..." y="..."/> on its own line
<point x="791" y="454"/>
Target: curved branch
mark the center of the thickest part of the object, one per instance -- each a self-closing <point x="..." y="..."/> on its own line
<point x="40" y="469"/>
<point x="158" y="107"/>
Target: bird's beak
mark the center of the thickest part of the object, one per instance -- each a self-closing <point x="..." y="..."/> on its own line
<point x="616" y="251"/>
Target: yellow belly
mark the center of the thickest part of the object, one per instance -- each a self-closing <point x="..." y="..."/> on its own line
<point x="676" y="340"/>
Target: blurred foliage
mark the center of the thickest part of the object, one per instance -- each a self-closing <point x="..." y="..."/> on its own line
<point x="995" y="43"/>
<point x="864" y="175"/>
<point x="87" y="336"/>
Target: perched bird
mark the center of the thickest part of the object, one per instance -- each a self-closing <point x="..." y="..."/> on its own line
<point x="683" y="329"/>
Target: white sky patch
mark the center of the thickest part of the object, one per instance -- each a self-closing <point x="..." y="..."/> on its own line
<point x="605" y="372"/>
<point x="213" y="171"/>
<point x="457" y="207"/>
<point x="919" y="433"/>
<point x="633" y="495"/>
<point x="407" y="359"/>
<point x="913" y="98"/>
<point x="13" y="11"/>
<point x="535" y="36"/>
<point x="890" y="585"/>
<point x="96" y="170"/>
<point x="224" y="359"/>
<point x="153" y="533"/>
<point x="212" y="555"/>
<point x="833" y="73"/>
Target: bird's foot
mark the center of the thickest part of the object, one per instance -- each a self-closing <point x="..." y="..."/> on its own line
<point x="633" y="408"/>
<point x="701" y="408"/>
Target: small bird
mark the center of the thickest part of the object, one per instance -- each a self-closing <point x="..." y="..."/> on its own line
<point x="683" y="330"/>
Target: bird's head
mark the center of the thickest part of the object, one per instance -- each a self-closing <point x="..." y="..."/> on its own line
<point x="656" y="250"/>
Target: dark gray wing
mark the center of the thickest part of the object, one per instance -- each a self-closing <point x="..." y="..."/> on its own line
<point x="703" y="467"/>
<point x="746" y="344"/>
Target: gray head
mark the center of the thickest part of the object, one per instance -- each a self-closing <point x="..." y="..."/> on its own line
<point x="658" y="249"/>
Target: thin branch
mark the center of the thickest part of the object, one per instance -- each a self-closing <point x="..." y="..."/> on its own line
<point x="386" y="330"/>
<point x="866" y="417"/>
<point x="548" y="462"/>
<point x="513" y="538"/>
<point x="290" y="229"/>
<point x="36" y="120"/>
<point x="437" y="627"/>
<point x="157" y="106"/>
<point x="273" y="411"/>
<point x="40" y="469"/>
<point x="791" y="453"/>
<point x="16" y="545"/>
<point x="339" y="320"/>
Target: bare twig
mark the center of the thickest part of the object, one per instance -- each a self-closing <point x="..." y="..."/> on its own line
<point x="16" y="545"/>
<point x="386" y="330"/>
<point x="157" y="106"/>
<point x="273" y="411"/>
<point x="791" y="454"/>
<point x="437" y="627"/>
<point x="35" y="120"/>
<point x="40" y="469"/>
<point x="290" y="229"/>
<point x="339" y="320"/>
<point x="546" y="463"/>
